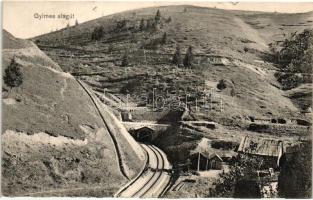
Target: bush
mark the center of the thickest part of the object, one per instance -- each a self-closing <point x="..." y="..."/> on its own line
<point x="235" y="183"/>
<point x="153" y="44"/>
<point x="125" y="61"/>
<point x="13" y="76"/>
<point x="169" y="19"/>
<point x="289" y="80"/>
<point x="226" y="145"/>
<point x="177" y="57"/>
<point x="97" y="33"/>
<point x="221" y="84"/>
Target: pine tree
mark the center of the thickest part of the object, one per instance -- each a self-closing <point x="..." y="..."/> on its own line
<point x="149" y="24"/>
<point x="13" y="76"/>
<point x="76" y="22"/>
<point x="169" y="19"/>
<point x="157" y="16"/>
<point x="177" y="57"/>
<point x="164" y="38"/>
<point x="142" y="25"/>
<point x="188" y="57"/>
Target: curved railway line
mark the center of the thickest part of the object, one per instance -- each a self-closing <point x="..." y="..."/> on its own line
<point x="115" y="143"/>
<point x="153" y="180"/>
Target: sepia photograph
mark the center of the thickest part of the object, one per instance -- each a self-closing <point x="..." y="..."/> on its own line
<point x="156" y="99"/>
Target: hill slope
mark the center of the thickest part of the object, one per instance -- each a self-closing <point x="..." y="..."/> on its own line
<point x="54" y="141"/>
<point x="241" y="38"/>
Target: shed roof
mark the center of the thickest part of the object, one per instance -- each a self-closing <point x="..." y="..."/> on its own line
<point x="260" y="146"/>
<point x="210" y="156"/>
<point x="146" y="128"/>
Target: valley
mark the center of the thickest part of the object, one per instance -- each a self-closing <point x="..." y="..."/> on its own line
<point x="174" y="101"/>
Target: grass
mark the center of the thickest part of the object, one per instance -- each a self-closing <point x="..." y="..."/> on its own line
<point x="214" y="32"/>
<point x="53" y="137"/>
<point x="244" y="39"/>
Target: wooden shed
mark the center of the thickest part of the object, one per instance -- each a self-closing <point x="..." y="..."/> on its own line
<point x="203" y="161"/>
<point x="269" y="149"/>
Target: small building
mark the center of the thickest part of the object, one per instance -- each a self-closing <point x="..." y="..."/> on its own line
<point x="126" y="116"/>
<point x="204" y="161"/>
<point x="269" y="149"/>
<point x="216" y="162"/>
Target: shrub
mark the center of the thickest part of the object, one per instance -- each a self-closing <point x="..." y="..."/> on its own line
<point x="13" y="76"/>
<point x="149" y="24"/>
<point x="238" y="182"/>
<point x="142" y="25"/>
<point x="226" y="145"/>
<point x="97" y="33"/>
<point x="125" y="61"/>
<point x="221" y="84"/>
<point x="169" y="19"/>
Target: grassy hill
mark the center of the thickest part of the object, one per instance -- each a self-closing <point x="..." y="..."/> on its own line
<point x="244" y="39"/>
<point x="54" y="141"/>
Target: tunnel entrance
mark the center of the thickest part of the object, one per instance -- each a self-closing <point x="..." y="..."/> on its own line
<point x="144" y="134"/>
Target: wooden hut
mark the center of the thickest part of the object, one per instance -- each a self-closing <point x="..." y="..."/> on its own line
<point x="203" y="161"/>
<point x="269" y="149"/>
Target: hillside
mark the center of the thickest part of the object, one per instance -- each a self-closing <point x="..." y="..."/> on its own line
<point x="207" y="74"/>
<point x="54" y="141"/>
<point x="242" y="39"/>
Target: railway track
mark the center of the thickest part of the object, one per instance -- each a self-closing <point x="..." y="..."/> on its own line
<point x="115" y="143"/>
<point x="155" y="178"/>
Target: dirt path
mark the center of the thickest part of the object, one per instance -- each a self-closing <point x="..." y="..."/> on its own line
<point x="251" y="33"/>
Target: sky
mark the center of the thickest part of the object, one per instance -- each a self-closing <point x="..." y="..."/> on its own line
<point x="21" y="18"/>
